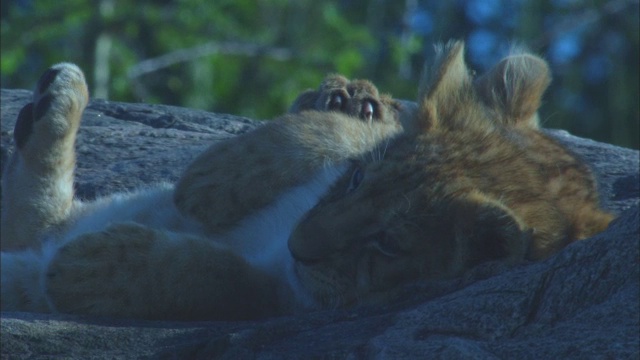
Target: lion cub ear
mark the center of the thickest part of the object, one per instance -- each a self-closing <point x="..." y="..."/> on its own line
<point x="487" y="230"/>
<point x="442" y="85"/>
<point x="515" y="87"/>
<point x="305" y="101"/>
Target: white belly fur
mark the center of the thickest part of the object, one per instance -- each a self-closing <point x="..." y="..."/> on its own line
<point x="260" y="238"/>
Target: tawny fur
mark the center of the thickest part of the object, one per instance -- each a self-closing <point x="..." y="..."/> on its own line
<point x="37" y="185"/>
<point x="136" y="254"/>
<point x="477" y="181"/>
<point x="324" y="207"/>
<point x="301" y="149"/>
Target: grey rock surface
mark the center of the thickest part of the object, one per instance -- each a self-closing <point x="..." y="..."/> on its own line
<point x="124" y="146"/>
<point x="582" y="303"/>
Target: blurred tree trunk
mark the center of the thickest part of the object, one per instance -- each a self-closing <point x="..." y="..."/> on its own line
<point x="101" y="68"/>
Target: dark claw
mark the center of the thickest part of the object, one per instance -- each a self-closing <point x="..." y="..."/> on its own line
<point x="46" y="79"/>
<point x="367" y="111"/>
<point x="24" y="125"/>
<point x="42" y="106"/>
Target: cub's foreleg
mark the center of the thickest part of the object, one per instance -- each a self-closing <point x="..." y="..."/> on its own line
<point x="132" y="271"/>
<point x="37" y="184"/>
<point x="235" y="178"/>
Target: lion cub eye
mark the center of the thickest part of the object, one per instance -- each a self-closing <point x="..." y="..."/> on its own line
<point x="356" y="179"/>
<point x="337" y="102"/>
<point x="367" y="110"/>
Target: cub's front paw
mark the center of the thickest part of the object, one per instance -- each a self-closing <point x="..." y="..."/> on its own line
<point x="103" y="273"/>
<point x="58" y="101"/>
<point x="356" y="98"/>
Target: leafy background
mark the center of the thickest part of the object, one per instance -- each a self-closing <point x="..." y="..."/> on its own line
<point x="252" y="57"/>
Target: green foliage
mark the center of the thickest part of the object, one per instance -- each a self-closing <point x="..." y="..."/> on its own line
<point x="252" y="58"/>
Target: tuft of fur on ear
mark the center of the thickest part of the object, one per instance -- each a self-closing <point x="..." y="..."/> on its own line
<point x="305" y="101"/>
<point x="516" y="85"/>
<point x="442" y="84"/>
<point x="485" y="230"/>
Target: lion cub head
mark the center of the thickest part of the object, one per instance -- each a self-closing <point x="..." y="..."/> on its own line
<point x="457" y="190"/>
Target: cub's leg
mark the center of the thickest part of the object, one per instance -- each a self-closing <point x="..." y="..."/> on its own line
<point x="37" y="184"/>
<point x="129" y="270"/>
<point x="341" y="121"/>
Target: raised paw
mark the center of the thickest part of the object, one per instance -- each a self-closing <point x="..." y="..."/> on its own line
<point x="103" y="273"/>
<point x="37" y="188"/>
<point x="356" y="98"/>
<point x="53" y="117"/>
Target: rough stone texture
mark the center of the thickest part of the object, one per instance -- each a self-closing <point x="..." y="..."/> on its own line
<point x="124" y="146"/>
<point x="582" y="303"/>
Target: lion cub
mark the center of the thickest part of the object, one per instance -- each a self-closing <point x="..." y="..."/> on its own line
<point x="329" y="206"/>
<point x="218" y="252"/>
<point x="477" y="181"/>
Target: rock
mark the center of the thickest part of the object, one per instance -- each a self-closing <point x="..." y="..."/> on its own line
<point x="124" y="146"/>
<point x="582" y="303"/>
